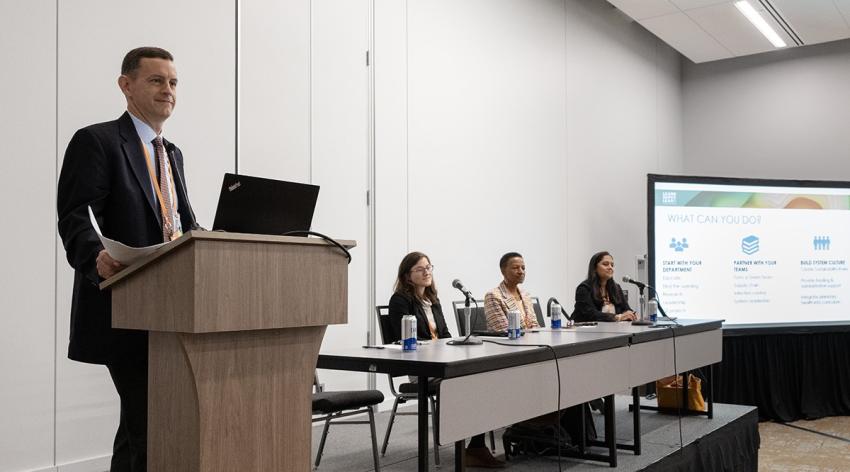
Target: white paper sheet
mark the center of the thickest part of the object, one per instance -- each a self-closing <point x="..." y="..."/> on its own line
<point x="121" y="252"/>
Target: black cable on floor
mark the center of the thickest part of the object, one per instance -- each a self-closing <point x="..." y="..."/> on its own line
<point x="815" y="432"/>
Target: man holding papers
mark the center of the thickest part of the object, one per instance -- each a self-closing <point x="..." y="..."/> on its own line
<point x="132" y="178"/>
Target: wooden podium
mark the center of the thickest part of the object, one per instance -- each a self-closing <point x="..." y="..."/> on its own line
<point x="236" y="322"/>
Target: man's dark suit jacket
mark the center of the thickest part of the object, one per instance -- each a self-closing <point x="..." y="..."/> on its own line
<point x="105" y="168"/>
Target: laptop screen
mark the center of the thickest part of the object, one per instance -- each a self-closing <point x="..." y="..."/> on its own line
<point x="264" y="206"/>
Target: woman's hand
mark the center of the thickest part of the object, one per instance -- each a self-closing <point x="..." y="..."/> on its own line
<point x="626" y="316"/>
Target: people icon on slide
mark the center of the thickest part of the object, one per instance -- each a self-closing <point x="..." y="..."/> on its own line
<point x="678" y="246"/>
<point x="821" y="243"/>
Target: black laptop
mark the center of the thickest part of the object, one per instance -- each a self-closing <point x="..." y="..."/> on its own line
<point x="264" y="206"/>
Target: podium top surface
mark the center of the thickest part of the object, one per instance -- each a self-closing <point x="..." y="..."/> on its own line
<point x="196" y="235"/>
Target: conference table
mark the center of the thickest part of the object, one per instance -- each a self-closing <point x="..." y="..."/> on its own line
<point x="490" y="386"/>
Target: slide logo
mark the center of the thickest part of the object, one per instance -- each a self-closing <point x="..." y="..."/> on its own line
<point x="821" y="243"/>
<point x="750" y="244"/>
<point x="679" y="246"/>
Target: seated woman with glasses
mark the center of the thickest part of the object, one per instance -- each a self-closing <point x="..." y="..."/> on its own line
<point x="508" y="296"/>
<point x="599" y="298"/>
<point x="416" y="294"/>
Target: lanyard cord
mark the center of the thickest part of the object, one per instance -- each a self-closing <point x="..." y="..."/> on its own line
<point x="165" y="213"/>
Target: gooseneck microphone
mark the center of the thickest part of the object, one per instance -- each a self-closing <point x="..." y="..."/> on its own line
<point x="195" y="224"/>
<point x="469" y="320"/>
<point x="639" y="284"/>
<point x="456" y="283"/>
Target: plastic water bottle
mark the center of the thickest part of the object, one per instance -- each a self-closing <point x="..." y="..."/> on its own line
<point x="652" y="310"/>
<point x="555" y="313"/>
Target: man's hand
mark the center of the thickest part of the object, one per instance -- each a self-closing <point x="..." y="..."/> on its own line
<point x="107" y="266"/>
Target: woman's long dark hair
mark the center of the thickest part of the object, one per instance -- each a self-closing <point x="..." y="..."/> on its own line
<point x="403" y="283"/>
<point x="614" y="291"/>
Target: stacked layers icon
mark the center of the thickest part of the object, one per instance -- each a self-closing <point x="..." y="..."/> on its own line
<point x="750" y="244"/>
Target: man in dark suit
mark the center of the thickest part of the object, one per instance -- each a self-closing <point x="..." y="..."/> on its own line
<point x="133" y="181"/>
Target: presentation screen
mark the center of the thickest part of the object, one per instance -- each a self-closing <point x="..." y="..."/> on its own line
<point x="750" y="251"/>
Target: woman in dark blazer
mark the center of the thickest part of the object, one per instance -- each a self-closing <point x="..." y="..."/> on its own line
<point x="599" y="298"/>
<point x="416" y="294"/>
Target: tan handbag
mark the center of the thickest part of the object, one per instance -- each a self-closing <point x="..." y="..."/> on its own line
<point x="669" y="390"/>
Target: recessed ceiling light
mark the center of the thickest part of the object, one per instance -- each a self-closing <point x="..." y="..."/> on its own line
<point x="759" y="22"/>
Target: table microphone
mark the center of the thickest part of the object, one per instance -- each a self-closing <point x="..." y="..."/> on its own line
<point x="465" y="341"/>
<point x="641" y="286"/>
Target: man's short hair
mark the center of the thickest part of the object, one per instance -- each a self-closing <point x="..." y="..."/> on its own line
<point x="503" y="262"/>
<point x="134" y="57"/>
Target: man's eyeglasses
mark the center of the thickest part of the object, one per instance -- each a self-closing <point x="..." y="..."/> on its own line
<point x="422" y="270"/>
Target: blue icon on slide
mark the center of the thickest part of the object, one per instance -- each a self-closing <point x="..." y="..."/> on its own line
<point x="821" y="243"/>
<point x="678" y="246"/>
<point x="750" y="244"/>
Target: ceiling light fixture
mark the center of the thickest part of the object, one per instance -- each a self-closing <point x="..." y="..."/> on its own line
<point x="759" y="22"/>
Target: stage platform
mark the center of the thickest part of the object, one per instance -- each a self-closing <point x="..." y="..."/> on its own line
<point x="729" y="441"/>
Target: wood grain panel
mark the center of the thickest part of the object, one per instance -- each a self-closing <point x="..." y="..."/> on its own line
<point x="232" y="401"/>
<point x="213" y="283"/>
<point x="159" y="298"/>
<point x="269" y="286"/>
<point x="173" y="415"/>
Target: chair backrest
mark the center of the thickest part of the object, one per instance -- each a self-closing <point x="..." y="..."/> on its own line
<point x="387" y="334"/>
<point x="535" y="302"/>
<point x="479" y="319"/>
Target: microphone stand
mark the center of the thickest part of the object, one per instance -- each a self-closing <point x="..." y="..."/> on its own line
<point x="466" y="341"/>
<point x="642" y="321"/>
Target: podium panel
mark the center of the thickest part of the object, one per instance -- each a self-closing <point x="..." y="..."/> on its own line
<point x="235" y="325"/>
<point x="231" y="401"/>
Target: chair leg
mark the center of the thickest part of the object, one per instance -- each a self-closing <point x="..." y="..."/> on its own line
<point x="435" y="429"/>
<point x="389" y="428"/>
<point x="322" y="441"/>
<point x="374" y="440"/>
<point x="493" y="441"/>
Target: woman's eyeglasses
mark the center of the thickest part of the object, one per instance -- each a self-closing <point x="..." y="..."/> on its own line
<point x="422" y="270"/>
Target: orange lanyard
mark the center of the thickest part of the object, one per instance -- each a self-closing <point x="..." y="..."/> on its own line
<point x="165" y="213"/>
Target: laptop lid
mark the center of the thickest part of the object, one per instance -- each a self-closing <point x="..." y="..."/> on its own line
<point x="264" y="206"/>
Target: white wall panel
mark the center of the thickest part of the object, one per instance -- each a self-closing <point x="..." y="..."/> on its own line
<point x="391" y="229"/>
<point x="487" y="173"/>
<point x="94" y="35"/>
<point x="340" y="156"/>
<point x="623" y="119"/>
<point x="770" y="116"/>
<point x="27" y="197"/>
<point x="390" y="56"/>
<point x="274" y="89"/>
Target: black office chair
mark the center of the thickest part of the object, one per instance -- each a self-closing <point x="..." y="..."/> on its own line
<point x="535" y="303"/>
<point x="334" y="405"/>
<point x="406" y="391"/>
<point x="479" y="319"/>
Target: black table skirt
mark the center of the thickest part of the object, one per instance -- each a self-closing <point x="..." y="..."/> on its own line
<point x="788" y="376"/>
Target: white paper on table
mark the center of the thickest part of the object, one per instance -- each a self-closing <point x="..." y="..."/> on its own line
<point x="119" y="251"/>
